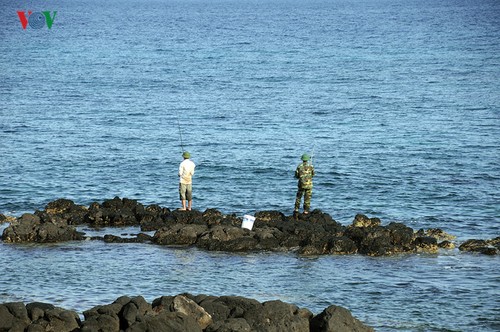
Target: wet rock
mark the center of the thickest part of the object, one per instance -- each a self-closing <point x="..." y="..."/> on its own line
<point x="33" y="228"/>
<point x="426" y="244"/>
<point x="486" y="247"/>
<point x="446" y="245"/>
<point x="139" y="238"/>
<point x="316" y="233"/>
<point x="269" y="238"/>
<point x="337" y="319"/>
<point x="436" y="233"/>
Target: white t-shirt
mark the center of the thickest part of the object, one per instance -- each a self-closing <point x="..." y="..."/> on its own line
<point x="186" y="171"/>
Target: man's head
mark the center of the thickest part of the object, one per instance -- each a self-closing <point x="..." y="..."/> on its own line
<point x="186" y="155"/>
<point x="305" y="157"/>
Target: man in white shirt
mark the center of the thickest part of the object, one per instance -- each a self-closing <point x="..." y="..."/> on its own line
<point x="186" y="171"/>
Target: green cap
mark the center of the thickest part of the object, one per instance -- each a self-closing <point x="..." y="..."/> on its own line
<point x="305" y="157"/>
<point x="186" y="154"/>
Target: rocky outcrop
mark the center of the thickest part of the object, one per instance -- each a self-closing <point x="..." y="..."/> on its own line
<point x="183" y="312"/>
<point x="316" y="233"/>
<point x="41" y="228"/>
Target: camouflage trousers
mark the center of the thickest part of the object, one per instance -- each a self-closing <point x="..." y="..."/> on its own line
<point x="307" y="193"/>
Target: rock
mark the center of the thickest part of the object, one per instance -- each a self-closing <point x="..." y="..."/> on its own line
<point x="179" y="234"/>
<point x="58" y="319"/>
<point x="426" y="244"/>
<point x="154" y="218"/>
<point x="227" y="238"/>
<point x="36" y="310"/>
<point x="37" y="317"/>
<point x="4" y="218"/>
<point x="276" y="316"/>
<point x="115" y="212"/>
<point x="436" y="233"/>
<point x="67" y="210"/>
<point x="446" y="245"/>
<point x="183" y="312"/>
<point x="316" y="233"/>
<point x="13" y="317"/>
<point x="230" y="325"/>
<point x="486" y="247"/>
<point x="134" y="311"/>
<point x="139" y="238"/>
<point x="360" y="220"/>
<point x="269" y="217"/>
<point x="337" y="319"/>
<point x="33" y="228"/>
<point x="190" y="308"/>
<point x="166" y="322"/>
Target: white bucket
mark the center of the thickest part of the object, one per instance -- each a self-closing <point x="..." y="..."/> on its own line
<point x="248" y="222"/>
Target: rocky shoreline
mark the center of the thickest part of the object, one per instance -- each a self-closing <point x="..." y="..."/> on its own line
<point x="183" y="312"/>
<point x="313" y="234"/>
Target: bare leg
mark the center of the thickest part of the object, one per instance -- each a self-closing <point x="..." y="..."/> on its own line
<point x="190" y="204"/>
<point x="183" y="204"/>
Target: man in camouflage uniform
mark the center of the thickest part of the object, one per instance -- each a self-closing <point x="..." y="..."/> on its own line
<point x="304" y="173"/>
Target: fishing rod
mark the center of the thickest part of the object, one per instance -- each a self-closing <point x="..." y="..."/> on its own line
<point x="312" y="153"/>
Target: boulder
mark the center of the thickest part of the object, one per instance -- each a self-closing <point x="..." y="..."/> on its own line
<point x="13" y="317"/>
<point x="190" y="308"/>
<point x="337" y="319"/>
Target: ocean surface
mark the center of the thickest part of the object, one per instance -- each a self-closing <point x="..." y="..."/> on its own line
<point x="398" y="101"/>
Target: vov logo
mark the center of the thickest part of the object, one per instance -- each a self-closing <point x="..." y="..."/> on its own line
<point x="36" y="20"/>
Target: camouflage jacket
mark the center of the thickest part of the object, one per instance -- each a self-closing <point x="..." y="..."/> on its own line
<point x="305" y="173"/>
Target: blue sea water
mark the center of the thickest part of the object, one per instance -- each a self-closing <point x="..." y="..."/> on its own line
<point x="398" y="101"/>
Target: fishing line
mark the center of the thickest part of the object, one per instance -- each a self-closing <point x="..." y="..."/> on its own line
<point x="180" y="131"/>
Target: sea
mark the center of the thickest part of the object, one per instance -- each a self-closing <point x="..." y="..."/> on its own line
<point x="397" y="102"/>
